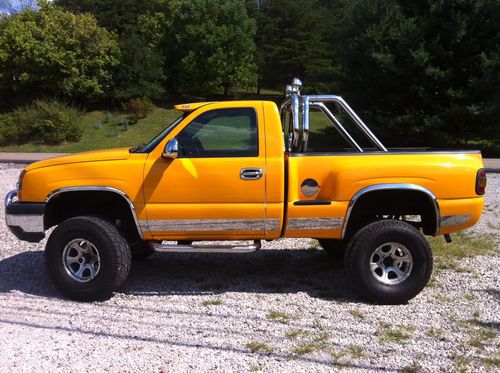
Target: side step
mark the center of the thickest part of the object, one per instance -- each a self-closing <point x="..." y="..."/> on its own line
<point x="207" y="249"/>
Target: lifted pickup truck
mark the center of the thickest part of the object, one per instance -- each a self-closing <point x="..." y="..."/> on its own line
<point x="248" y="170"/>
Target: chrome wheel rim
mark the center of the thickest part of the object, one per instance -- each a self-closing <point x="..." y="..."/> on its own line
<point x="391" y="263"/>
<point x="81" y="260"/>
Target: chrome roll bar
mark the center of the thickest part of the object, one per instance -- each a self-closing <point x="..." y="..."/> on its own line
<point x="352" y="114"/>
<point x="296" y="103"/>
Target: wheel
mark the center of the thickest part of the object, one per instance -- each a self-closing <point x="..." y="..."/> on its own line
<point x="141" y="250"/>
<point x="87" y="258"/>
<point x="388" y="262"/>
<point x="335" y="248"/>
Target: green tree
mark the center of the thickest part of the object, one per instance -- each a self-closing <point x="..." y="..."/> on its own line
<point x="210" y="47"/>
<point x="424" y="72"/>
<point x="291" y="41"/>
<point x="114" y="15"/>
<point x="140" y="25"/>
<point x="140" y="73"/>
<point x="51" y="52"/>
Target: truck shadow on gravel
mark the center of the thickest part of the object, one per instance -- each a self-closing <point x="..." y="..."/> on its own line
<point x="25" y="272"/>
<point x="268" y="271"/>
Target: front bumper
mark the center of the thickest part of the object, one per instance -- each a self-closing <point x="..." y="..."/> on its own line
<point x="24" y="220"/>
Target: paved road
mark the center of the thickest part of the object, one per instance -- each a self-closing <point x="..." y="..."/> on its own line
<point x="492" y="163"/>
<point x="26" y="157"/>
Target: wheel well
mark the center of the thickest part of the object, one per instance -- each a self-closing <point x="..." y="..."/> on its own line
<point x="105" y="204"/>
<point x="416" y="207"/>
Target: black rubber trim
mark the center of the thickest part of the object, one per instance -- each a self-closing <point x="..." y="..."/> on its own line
<point x="316" y="202"/>
<point x="25" y="208"/>
<point x="26" y="236"/>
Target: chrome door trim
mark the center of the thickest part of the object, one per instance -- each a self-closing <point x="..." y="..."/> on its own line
<point x="203" y="225"/>
<point x="121" y="193"/>
<point x="314" y="223"/>
<point x="413" y="187"/>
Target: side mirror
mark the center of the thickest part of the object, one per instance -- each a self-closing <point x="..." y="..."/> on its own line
<point x="171" y="149"/>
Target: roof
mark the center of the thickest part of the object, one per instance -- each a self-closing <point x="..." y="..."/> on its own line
<point x="187" y="108"/>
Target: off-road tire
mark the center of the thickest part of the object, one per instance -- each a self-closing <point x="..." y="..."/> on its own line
<point x="114" y="252"/>
<point x="361" y="248"/>
<point x="141" y="250"/>
<point x="335" y="248"/>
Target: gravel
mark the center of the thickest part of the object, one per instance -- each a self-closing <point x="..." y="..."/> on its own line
<point x="193" y="312"/>
<point x="490" y="220"/>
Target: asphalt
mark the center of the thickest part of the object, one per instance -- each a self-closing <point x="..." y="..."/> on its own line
<point x="491" y="165"/>
<point x="26" y="158"/>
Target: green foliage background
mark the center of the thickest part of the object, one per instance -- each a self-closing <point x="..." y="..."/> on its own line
<point x="51" y="52"/>
<point x="421" y="72"/>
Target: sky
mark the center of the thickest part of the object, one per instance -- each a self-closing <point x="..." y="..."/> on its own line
<point x="10" y="6"/>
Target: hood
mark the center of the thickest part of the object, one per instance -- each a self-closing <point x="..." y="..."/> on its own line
<point x="92" y="156"/>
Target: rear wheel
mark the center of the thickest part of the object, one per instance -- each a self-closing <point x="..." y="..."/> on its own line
<point x="335" y="248"/>
<point x="87" y="258"/>
<point x="388" y="262"/>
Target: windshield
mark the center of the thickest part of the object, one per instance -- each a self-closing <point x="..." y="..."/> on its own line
<point x="146" y="148"/>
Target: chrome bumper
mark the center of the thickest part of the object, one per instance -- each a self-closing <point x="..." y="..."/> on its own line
<point x="24" y="220"/>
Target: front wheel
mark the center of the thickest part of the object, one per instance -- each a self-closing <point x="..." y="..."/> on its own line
<point x="87" y="258"/>
<point x="388" y="262"/>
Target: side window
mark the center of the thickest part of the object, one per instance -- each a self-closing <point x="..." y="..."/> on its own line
<point x="221" y="133"/>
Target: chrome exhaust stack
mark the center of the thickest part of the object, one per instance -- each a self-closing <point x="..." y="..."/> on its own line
<point x="159" y="247"/>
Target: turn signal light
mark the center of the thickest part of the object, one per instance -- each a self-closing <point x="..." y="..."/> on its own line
<point x="481" y="181"/>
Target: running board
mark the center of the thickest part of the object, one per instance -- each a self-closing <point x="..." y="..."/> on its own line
<point x="207" y="249"/>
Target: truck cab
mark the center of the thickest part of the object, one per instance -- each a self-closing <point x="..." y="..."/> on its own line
<point x="250" y="170"/>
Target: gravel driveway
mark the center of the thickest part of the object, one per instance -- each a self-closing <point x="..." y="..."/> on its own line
<point x="275" y="310"/>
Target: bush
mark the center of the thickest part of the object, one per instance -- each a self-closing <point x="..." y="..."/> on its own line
<point x="43" y="122"/>
<point x="139" y="108"/>
<point x="8" y="129"/>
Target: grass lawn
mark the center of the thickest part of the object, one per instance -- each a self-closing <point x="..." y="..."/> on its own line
<point x="93" y="138"/>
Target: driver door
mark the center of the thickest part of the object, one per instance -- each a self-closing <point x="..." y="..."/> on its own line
<point x="216" y="185"/>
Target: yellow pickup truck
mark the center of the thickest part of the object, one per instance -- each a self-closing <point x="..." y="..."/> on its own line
<point x="250" y="171"/>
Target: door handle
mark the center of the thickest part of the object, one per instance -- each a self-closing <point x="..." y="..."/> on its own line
<point x="250" y="173"/>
